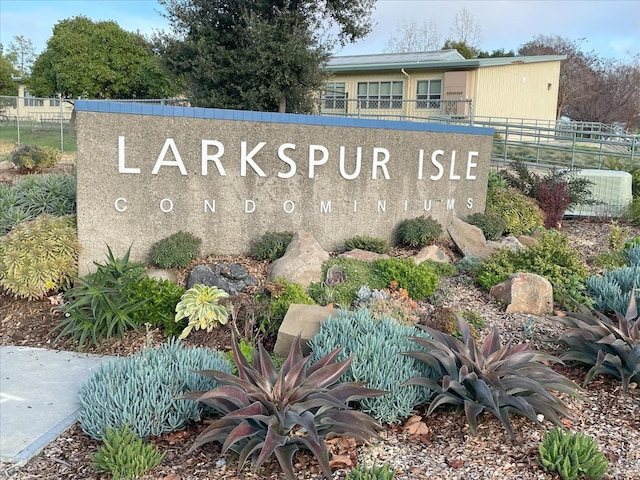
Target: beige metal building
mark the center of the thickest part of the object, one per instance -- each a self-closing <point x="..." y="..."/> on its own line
<point x="442" y="83"/>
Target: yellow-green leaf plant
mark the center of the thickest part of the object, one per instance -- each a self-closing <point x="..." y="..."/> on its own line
<point x="200" y="305"/>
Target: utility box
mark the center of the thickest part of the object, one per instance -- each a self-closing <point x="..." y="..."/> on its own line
<point x="611" y="189"/>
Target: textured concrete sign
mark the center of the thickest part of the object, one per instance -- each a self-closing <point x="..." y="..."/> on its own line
<point x="148" y="171"/>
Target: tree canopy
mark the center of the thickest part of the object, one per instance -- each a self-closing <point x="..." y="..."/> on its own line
<point x="7" y="85"/>
<point x="257" y="54"/>
<point x="98" y="60"/>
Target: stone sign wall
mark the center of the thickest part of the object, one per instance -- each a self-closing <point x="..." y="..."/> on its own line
<point x="148" y="171"/>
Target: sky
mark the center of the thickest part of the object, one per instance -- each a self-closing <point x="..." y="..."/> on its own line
<point x="610" y="28"/>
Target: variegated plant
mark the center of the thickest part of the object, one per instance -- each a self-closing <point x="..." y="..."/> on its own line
<point x="594" y="340"/>
<point x="266" y="412"/>
<point x="500" y="379"/>
<point x="200" y="305"/>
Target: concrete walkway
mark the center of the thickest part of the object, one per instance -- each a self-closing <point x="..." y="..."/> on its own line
<point x="38" y="397"/>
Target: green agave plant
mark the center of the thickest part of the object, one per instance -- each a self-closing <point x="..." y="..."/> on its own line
<point x="497" y="379"/>
<point x="266" y="411"/>
<point x="571" y="455"/>
<point x="592" y="339"/>
<point x="200" y="306"/>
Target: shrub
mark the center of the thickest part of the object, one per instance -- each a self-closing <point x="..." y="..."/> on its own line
<point x="175" y="251"/>
<point x="355" y="272"/>
<point x="418" y="232"/>
<point x="554" y="199"/>
<point x="39" y="256"/>
<point x="141" y="390"/>
<point x="611" y="291"/>
<point x="617" y="236"/>
<point x="553" y="258"/>
<point x="571" y="455"/>
<point x="271" y="245"/>
<point x="282" y="295"/>
<point x="266" y="411"/>
<point x="420" y="281"/>
<point x="33" y="158"/>
<point x="389" y="303"/>
<point x="376" y="472"/>
<point x="370" y="244"/>
<point x="97" y="306"/>
<point x="521" y="213"/>
<point x="160" y="298"/>
<point x="495" y="378"/>
<point x="593" y="340"/>
<point x="632" y="213"/>
<point x="200" y="306"/>
<point x="492" y="226"/>
<point x="375" y="347"/>
<point x="125" y="456"/>
<point x="35" y="195"/>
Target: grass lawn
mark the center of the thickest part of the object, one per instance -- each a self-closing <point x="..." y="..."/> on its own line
<point x="44" y="135"/>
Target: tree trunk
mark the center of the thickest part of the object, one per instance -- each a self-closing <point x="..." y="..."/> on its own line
<point x="282" y="107"/>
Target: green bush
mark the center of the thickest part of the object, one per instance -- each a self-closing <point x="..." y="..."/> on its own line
<point x="356" y="274"/>
<point x="375" y="347"/>
<point x="418" y="232"/>
<point x="375" y="472"/>
<point x="633" y="211"/>
<point x="521" y="213"/>
<point x="370" y="244"/>
<point x="97" y="306"/>
<point x="492" y="226"/>
<point x="35" y="195"/>
<point x="125" y="456"/>
<point x="271" y="245"/>
<point x="553" y="258"/>
<point x="175" y="251"/>
<point x="33" y="158"/>
<point x="571" y="455"/>
<point x="141" y="390"/>
<point x="39" y="256"/>
<point x="420" y="281"/>
<point x="160" y="298"/>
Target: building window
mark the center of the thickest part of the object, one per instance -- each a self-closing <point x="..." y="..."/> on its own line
<point x="380" y="94"/>
<point x="335" y="96"/>
<point x="54" y="102"/>
<point x="429" y="94"/>
<point x="30" y="101"/>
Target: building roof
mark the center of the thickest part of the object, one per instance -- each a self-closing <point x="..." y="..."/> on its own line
<point x="440" y="59"/>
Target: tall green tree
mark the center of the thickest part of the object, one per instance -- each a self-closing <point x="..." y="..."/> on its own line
<point x="7" y="85"/>
<point x="99" y="60"/>
<point x="257" y="54"/>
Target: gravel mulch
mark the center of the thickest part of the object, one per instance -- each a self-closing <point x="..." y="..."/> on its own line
<point x="439" y="446"/>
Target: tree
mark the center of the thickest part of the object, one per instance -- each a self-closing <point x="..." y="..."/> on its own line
<point x="497" y="53"/>
<point x="463" y="49"/>
<point x="258" y="54"/>
<point x="99" y="60"/>
<point x="7" y="86"/>
<point x="578" y="73"/>
<point x="465" y="31"/>
<point x="412" y="37"/>
<point x="22" y="54"/>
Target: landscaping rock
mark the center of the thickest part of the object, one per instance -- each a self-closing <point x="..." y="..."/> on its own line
<point x="433" y="253"/>
<point x="301" y="262"/>
<point x="469" y="239"/>
<point x="506" y="242"/>
<point x="6" y="165"/>
<point x="363" y="255"/>
<point x="525" y="293"/>
<point x="232" y="277"/>
<point x="304" y="320"/>
<point x="528" y="241"/>
<point x="162" y="274"/>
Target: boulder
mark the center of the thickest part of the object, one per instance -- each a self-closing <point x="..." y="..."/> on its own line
<point x="301" y="262"/>
<point x="510" y="242"/>
<point x="232" y="277"/>
<point x="363" y="255"/>
<point x="6" y="165"/>
<point x="162" y="274"/>
<point x="469" y="239"/>
<point x="304" y="320"/>
<point x="433" y="253"/>
<point x="525" y="293"/>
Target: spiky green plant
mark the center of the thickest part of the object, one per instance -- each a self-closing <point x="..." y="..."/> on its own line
<point x="268" y="412"/>
<point x="124" y="455"/>
<point x="175" y="251"/>
<point x="370" y="244"/>
<point x="200" y="305"/>
<point x="271" y="245"/>
<point x="418" y="232"/>
<point x="495" y="378"/>
<point x="592" y="339"/>
<point x="375" y="472"/>
<point x="571" y="455"/>
<point x="39" y="256"/>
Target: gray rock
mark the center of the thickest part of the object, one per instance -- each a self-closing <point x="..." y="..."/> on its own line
<point x="232" y="278"/>
<point x="301" y="262"/>
<point x="162" y="274"/>
<point x="304" y="320"/>
<point x="525" y="293"/>
<point x="433" y="253"/>
<point x="510" y="242"/>
<point x="363" y="255"/>
<point x="6" y="165"/>
<point x="469" y="239"/>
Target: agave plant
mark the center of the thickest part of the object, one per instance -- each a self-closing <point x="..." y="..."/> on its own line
<point x="200" y="305"/>
<point x="266" y="412"/>
<point x="497" y="379"/>
<point x="592" y="339"/>
<point x="572" y="455"/>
